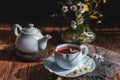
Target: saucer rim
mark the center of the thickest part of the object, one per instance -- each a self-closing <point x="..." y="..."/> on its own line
<point x="50" y="70"/>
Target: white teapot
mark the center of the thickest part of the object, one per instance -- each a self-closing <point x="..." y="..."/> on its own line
<point x="29" y="39"/>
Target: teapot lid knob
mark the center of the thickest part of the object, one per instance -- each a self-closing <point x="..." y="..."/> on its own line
<point x="30" y="29"/>
<point x="30" y="25"/>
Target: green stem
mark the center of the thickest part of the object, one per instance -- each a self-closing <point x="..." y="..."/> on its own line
<point x="84" y="28"/>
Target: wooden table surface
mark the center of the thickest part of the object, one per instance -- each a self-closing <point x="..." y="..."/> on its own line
<point x="12" y="68"/>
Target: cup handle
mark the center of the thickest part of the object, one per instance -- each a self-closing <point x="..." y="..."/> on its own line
<point x="85" y="52"/>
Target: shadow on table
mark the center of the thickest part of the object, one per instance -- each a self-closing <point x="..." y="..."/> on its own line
<point x="37" y="72"/>
<point x="7" y="53"/>
<point x="11" y="54"/>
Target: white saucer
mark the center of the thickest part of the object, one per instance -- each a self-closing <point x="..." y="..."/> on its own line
<point x="88" y="66"/>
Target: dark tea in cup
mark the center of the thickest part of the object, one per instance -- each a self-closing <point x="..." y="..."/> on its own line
<point x="68" y="56"/>
<point x="68" y="50"/>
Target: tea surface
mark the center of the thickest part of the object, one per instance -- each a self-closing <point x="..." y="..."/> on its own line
<point x="68" y="50"/>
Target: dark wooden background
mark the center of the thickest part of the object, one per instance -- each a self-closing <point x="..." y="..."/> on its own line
<point x="37" y="10"/>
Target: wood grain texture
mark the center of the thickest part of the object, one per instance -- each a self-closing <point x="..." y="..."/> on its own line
<point x="11" y="68"/>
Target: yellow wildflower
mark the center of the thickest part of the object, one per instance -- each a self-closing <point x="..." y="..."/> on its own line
<point x="99" y="21"/>
<point x="97" y="4"/>
<point x="104" y="1"/>
<point x="100" y="15"/>
<point x="95" y="12"/>
<point x="86" y="8"/>
<point x="93" y="17"/>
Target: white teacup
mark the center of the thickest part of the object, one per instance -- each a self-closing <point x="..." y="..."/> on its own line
<point x="68" y="56"/>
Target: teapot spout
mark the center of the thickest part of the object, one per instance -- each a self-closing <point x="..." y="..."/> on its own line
<point x="42" y="43"/>
<point x="48" y="36"/>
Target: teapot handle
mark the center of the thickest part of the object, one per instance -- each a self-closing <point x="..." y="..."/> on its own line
<point x="16" y="27"/>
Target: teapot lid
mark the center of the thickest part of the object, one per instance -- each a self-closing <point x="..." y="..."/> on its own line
<point x="30" y="29"/>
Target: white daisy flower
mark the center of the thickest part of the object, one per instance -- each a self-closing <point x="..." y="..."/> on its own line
<point x="65" y="9"/>
<point x="73" y="8"/>
<point x="82" y="8"/>
<point x="80" y="20"/>
<point x="79" y="3"/>
<point x="73" y="25"/>
<point x="100" y="58"/>
<point x="78" y="13"/>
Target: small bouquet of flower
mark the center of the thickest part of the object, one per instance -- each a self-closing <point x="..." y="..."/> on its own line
<point x="79" y="12"/>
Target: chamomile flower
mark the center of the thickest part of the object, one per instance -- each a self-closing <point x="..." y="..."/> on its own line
<point x="65" y="9"/>
<point x="73" y="8"/>
<point x="82" y="8"/>
<point x="73" y="25"/>
<point x="78" y="13"/>
<point x="79" y="3"/>
<point x="80" y="20"/>
<point x="100" y="58"/>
